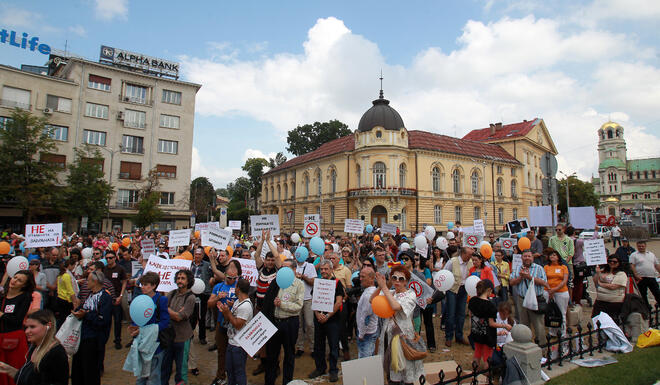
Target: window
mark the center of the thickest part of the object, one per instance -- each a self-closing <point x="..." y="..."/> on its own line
<point x="135" y="119"/>
<point x="319" y="182"/>
<point x="500" y="188"/>
<point x="647" y="196"/>
<point x="305" y="211"/>
<point x="358" y="174"/>
<point x="653" y="174"/>
<point x="633" y="196"/>
<point x="4" y="122"/>
<point x="435" y="178"/>
<point x="94" y="162"/>
<point x="379" y="175"/>
<point x="474" y="181"/>
<point x="96" y="110"/>
<point x="500" y="216"/>
<point x="457" y="214"/>
<point x="515" y="214"/>
<point x="332" y="214"/>
<point x="169" y="121"/>
<point x="165" y="171"/>
<point x="529" y="179"/>
<point x="306" y="185"/>
<point x="15" y="97"/>
<point x="437" y="214"/>
<point x="168" y="146"/>
<point x="513" y="171"/>
<point x="272" y="193"/>
<point x="266" y="194"/>
<point x="402" y="175"/>
<point x="135" y="94"/>
<point x="132" y="144"/>
<point x="477" y="212"/>
<point x="499" y="169"/>
<point x="127" y="198"/>
<point x="610" y="188"/>
<point x="286" y="191"/>
<point x="130" y="170"/>
<point x="514" y="188"/>
<point x="94" y="137"/>
<point x="333" y="181"/>
<point x="99" y="82"/>
<point x="279" y="193"/>
<point x="58" y="104"/>
<point x="646" y="175"/>
<point x="171" y="97"/>
<point x="293" y="191"/>
<point x="54" y="160"/>
<point x="60" y="133"/>
<point x="379" y="134"/>
<point x="456" y="179"/>
<point x="630" y="175"/>
<point x="638" y="175"/>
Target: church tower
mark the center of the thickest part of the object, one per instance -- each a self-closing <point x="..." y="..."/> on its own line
<point x="611" y="160"/>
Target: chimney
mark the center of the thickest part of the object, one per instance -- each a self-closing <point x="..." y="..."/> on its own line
<point x="498" y="126"/>
<point x="492" y="128"/>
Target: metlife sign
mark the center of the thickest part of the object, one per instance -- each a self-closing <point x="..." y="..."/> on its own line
<point x="139" y="61"/>
<point x="24" y="41"/>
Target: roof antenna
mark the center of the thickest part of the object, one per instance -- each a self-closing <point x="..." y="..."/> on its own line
<point x="381" y="85"/>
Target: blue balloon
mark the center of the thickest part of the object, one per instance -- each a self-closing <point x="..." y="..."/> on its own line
<point x="301" y="254"/>
<point x="523" y="234"/>
<point x="317" y="245"/>
<point x="369" y="228"/>
<point x="105" y="261"/>
<point x="355" y="274"/>
<point x="22" y="247"/>
<point x="450" y="225"/>
<point x="142" y="309"/>
<point x="285" y="277"/>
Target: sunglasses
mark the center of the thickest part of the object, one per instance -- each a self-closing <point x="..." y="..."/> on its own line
<point x="398" y="278"/>
<point x="232" y="277"/>
<point x="612" y="261"/>
<point x="367" y="265"/>
<point x="405" y="259"/>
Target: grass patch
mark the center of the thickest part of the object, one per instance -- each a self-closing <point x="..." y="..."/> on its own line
<point x="640" y="367"/>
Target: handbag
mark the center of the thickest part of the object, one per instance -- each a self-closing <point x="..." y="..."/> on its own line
<point x="69" y="334"/>
<point x="553" y="316"/>
<point x="542" y="304"/>
<point x="414" y="349"/>
<point x="9" y="343"/>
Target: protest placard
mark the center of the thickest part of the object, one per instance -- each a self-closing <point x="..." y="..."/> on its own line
<point x="259" y="223"/>
<point x="255" y="334"/>
<point x="479" y="227"/>
<point x="516" y="261"/>
<point x="508" y="243"/>
<point x="355" y="226"/>
<point x="323" y="295"/>
<point x="471" y="239"/>
<point x="135" y="266"/>
<point x="216" y="237"/>
<point x="594" y="252"/>
<point x="179" y="238"/>
<point x="388" y="228"/>
<point x="422" y="290"/>
<point x="540" y="216"/>
<point x="517" y="226"/>
<point x="147" y="247"/>
<point x="582" y="217"/>
<point x="312" y="225"/>
<point x="166" y="270"/>
<point x="249" y="270"/>
<point x="206" y="225"/>
<point x="43" y="235"/>
<point x="368" y="370"/>
<point x="235" y="225"/>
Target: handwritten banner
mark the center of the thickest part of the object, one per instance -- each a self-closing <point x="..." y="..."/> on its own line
<point x="594" y="252"/>
<point x="148" y="247"/>
<point x="323" y="298"/>
<point x="255" y="334"/>
<point x="179" y="238"/>
<point x="166" y="270"/>
<point x="388" y="228"/>
<point x="43" y="235"/>
<point x="355" y="226"/>
<point x="259" y="223"/>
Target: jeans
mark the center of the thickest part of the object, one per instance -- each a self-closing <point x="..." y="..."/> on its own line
<point x="177" y="354"/>
<point x="199" y="314"/>
<point x="154" y="375"/>
<point x="615" y="240"/>
<point x="306" y="323"/>
<point x="427" y="315"/>
<point x="649" y="283"/>
<point x="287" y="333"/>
<point x="455" y="314"/>
<point x="329" y="331"/>
<point x="221" y="341"/>
<point x="367" y="345"/>
<point x="235" y="360"/>
<point x="117" y="316"/>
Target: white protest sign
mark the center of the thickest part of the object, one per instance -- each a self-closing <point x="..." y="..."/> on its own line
<point x="508" y="243"/>
<point x="422" y="290"/>
<point x="166" y="270"/>
<point x="516" y="261"/>
<point x="312" y="227"/>
<point x="43" y="235"/>
<point x="355" y="226"/>
<point x="147" y="247"/>
<point x="135" y="266"/>
<point x="594" y="252"/>
<point x="388" y="228"/>
<point x="249" y="270"/>
<point x="582" y="217"/>
<point x="216" y="237"/>
<point x="235" y="225"/>
<point x="206" y="225"/>
<point x="540" y="216"/>
<point x="368" y="370"/>
<point x="179" y="238"/>
<point x="323" y="295"/>
<point x="255" y="334"/>
<point x="479" y="227"/>
<point x="471" y="239"/>
<point x="259" y="223"/>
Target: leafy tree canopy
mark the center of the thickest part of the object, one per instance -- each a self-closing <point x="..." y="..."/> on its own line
<point x="309" y="137"/>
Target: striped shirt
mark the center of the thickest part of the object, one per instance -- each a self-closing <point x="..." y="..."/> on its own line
<point x="535" y="271"/>
<point x="266" y="276"/>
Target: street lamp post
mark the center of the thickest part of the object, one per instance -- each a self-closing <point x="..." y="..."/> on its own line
<point x="568" y="202"/>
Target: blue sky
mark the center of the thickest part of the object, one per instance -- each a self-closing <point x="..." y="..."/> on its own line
<point x="449" y="66"/>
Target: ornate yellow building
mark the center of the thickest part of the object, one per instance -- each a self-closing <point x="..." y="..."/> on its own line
<point x="384" y="173"/>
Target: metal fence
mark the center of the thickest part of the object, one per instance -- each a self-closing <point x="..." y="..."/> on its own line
<point x="493" y="372"/>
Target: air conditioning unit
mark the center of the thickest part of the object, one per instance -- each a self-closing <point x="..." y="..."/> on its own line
<point x="48" y="111"/>
<point x="120" y="115"/>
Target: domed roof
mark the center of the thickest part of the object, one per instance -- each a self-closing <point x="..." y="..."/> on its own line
<point x="381" y="114"/>
<point x="610" y="124"/>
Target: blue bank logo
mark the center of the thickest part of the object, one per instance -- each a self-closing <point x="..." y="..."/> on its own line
<point x="107" y="53"/>
<point x="23" y="41"/>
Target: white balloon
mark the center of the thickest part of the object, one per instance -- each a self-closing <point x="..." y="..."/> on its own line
<point x="443" y="280"/>
<point x="429" y="232"/>
<point x="87" y="253"/>
<point x="483" y="243"/>
<point x="198" y="287"/>
<point x="295" y="238"/>
<point x="79" y="245"/>
<point x="16" y="264"/>
<point x="404" y="246"/>
<point x="471" y="285"/>
<point x="442" y="243"/>
<point x="450" y="235"/>
<point x="420" y="242"/>
<point x="335" y="248"/>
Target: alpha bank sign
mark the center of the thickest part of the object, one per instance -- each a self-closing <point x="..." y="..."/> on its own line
<point x="135" y="60"/>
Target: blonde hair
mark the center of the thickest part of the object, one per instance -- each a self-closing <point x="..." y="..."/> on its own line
<point x="49" y="341"/>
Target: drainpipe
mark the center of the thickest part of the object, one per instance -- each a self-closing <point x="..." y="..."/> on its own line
<point x="348" y="183"/>
<point x="492" y="183"/>
<point x="417" y="196"/>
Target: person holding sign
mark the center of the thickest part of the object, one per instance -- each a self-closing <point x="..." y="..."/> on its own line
<point x="239" y="315"/>
<point x="201" y="269"/>
<point x="611" y="284"/>
<point x="457" y="296"/>
<point x="522" y="277"/>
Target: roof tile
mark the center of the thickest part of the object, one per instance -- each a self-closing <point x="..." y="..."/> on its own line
<point x="507" y="131"/>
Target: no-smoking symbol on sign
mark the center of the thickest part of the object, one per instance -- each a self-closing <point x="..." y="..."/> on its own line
<point x="417" y="288"/>
<point x="311" y="229"/>
<point x="472" y="240"/>
<point x="507" y="244"/>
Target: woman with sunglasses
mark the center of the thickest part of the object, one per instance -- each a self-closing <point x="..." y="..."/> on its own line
<point x="611" y="283"/>
<point x="557" y="289"/>
<point x="403" y="301"/>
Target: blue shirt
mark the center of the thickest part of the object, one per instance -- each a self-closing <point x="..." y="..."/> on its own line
<point x="535" y="271"/>
<point x="231" y="296"/>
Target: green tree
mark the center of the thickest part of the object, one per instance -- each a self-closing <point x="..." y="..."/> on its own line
<point x="255" y="170"/>
<point x="580" y="194"/>
<point x="222" y="191"/>
<point x="148" y="210"/>
<point x="29" y="176"/>
<point x="202" y="198"/>
<point x="87" y="193"/>
<point x="309" y="137"/>
<point x="238" y="192"/>
<point x="278" y="160"/>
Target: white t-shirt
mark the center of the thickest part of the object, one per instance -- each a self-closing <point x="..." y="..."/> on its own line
<point x="242" y="310"/>
<point x="308" y="270"/>
<point x="501" y="340"/>
<point x="644" y="263"/>
<point x="616" y="231"/>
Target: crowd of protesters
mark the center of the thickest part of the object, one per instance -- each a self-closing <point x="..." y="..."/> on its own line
<point x="95" y="278"/>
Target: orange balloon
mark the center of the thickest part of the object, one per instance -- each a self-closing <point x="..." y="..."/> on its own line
<point x="114" y="246"/>
<point x="230" y="251"/>
<point x="207" y="249"/>
<point x="126" y="241"/>
<point x="186" y="255"/>
<point x="4" y="248"/>
<point x="524" y="243"/>
<point x="376" y="238"/>
<point x="486" y="251"/>
<point x="197" y="234"/>
<point x="381" y="307"/>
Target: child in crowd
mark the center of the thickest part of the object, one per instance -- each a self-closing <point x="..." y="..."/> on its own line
<point x="483" y="331"/>
<point x="504" y="312"/>
<point x="503" y="273"/>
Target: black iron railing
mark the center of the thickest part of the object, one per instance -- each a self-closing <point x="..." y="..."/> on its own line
<point x="491" y="374"/>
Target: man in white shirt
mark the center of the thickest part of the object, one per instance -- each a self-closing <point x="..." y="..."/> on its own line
<point x="645" y="267"/>
<point x="367" y="321"/>
<point x="237" y="317"/>
<point x="616" y="235"/>
<point x="306" y="272"/>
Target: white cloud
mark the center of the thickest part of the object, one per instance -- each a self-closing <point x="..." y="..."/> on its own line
<point x="219" y="176"/>
<point x="78" y="30"/>
<point x="16" y="17"/>
<point x="111" y="9"/>
<point x="252" y="153"/>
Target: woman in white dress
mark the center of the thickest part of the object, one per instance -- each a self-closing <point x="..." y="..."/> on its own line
<point x="403" y="302"/>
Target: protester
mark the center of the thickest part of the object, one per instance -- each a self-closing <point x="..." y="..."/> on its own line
<point x="67" y="289"/>
<point x="624" y="252"/>
<point x="504" y="313"/>
<point x="483" y="331"/>
<point x="267" y="268"/>
<point x="367" y="321"/>
<point x="557" y="289"/>
<point x="343" y="274"/>
<point x="39" y="280"/>
<point x="239" y="315"/>
<point x="615" y="232"/>
<point x="117" y="275"/>
<point x="180" y="306"/>
<point x="503" y="273"/>
<point x="522" y="277"/>
<point x="381" y="264"/>
<point x="565" y="246"/>
<point x="51" y="268"/>
<point x="537" y="247"/>
<point x="306" y="272"/>
<point x="645" y="268"/>
<point x="457" y="296"/>
<point x="480" y="269"/>
<point x="16" y="300"/>
<point x="201" y="269"/>
<point x="610" y="283"/>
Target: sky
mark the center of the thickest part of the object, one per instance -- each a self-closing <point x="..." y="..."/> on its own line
<point x="449" y="66"/>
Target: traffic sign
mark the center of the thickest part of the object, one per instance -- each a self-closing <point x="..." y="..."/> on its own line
<point x="549" y="165"/>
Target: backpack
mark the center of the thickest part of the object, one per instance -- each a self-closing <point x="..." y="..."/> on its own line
<point x="166" y="336"/>
<point x="553" y="317"/>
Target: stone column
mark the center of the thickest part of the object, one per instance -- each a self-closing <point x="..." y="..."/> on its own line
<point x="527" y="353"/>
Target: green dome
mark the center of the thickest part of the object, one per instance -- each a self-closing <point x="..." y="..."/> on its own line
<point x="612" y="162"/>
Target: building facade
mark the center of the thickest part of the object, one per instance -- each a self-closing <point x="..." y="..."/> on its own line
<point x="384" y="173"/>
<point x="627" y="187"/>
<point x="138" y="121"/>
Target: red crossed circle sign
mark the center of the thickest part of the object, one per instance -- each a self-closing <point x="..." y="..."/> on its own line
<point x="23" y="266"/>
<point x="311" y="229"/>
<point x="507" y="244"/>
<point x="417" y="288"/>
<point x="472" y="240"/>
<point x="148" y="313"/>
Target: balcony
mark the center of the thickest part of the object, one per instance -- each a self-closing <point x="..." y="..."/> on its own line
<point x="135" y="100"/>
<point x="14" y="104"/>
<point x="132" y="150"/>
<point x="382" y="192"/>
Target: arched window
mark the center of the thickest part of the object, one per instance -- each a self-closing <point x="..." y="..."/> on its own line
<point x="515" y="214"/>
<point x="514" y="188"/>
<point x="456" y="179"/>
<point x="436" y="179"/>
<point x="379" y="175"/>
<point x="500" y="187"/>
<point x="279" y="193"/>
<point x="529" y="179"/>
<point x="474" y="181"/>
<point x="333" y="181"/>
<point x="286" y="191"/>
<point x="358" y="174"/>
<point x="272" y="193"/>
<point x="609" y="134"/>
<point x="536" y="180"/>
<point x="306" y="185"/>
<point x="457" y="214"/>
<point x="319" y="181"/>
<point x="402" y="175"/>
<point x="437" y="214"/>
